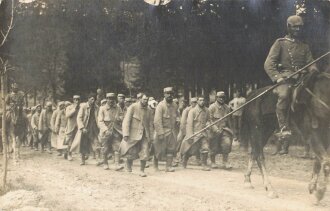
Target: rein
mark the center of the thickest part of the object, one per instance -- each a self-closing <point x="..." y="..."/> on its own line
<point x="317" y="98"/>
<point x="326" y="74"/>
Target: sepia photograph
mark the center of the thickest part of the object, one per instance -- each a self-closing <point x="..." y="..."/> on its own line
<point x="164" y="105"/>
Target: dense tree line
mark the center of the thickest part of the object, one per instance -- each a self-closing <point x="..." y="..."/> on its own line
<point x="64" y="47"/>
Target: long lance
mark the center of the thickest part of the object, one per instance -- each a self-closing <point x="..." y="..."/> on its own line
<point x="258" y="96"/>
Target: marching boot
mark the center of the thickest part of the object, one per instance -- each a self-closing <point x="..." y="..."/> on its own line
<point x="99" y="158"/>
<point x="59" y="152"/>
<point x="118" y="167"/>
<point x="184" y="161"/>
<point x="213" y="164"/>
<point x="82" y="160"/>
<point x="225" y="164"/>
<point x="169" y="160"/>
<point x="16" y="159"/>
<point x="65" y="155"/>
<point x="143" y="165"/>
<point x="155" y="162"/>
<point x="306" y="154"/>
<point x="105" y="165"/>
<point x="204" y="162"/>
<point x="177" y="160"/>
<point x="284" y="130"/>
<point x="278" y="146"/>
<point x="129" y="164"/>
<point x="285" y="149"/>
<point x="70" y="156"/>
<point x="198" y="159"/>
<point x="105" y="162"/>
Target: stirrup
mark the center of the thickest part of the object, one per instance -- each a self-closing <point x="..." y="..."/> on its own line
<point x="284" y="132"/>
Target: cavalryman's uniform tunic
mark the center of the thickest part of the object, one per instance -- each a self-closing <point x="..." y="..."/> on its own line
<point x="286" y="56"/>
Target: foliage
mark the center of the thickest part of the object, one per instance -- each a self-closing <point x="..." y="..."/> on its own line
<point x="68" y="47"/>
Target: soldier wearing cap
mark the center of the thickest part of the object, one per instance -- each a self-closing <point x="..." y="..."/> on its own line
<point x="52" y="124"/>
<point x="86" y="138"/>
<point x="99" y="96"/>
<point x="221" y="134"/>
<point x="235" y="103"/>
<point x="286" y="56"/>
<point x="183" y="124"/>
<point x="34" y="124"/>
<point x="110" y="134"/>
<point x="71" y="113"/>
<point x="60" y="127"/>
<point x="128" y="101"/>
<point x="121" y="105"/>
<point x="165" y="123"/>
<point x="30" y="130"/>
<point x="196" y="120"/>
<point x="44" y="127"/>
<point x="15" y="99"/>
<point x="137" y="130"/>
<point x="103" y="102"/>
<point x="152" y="104"/>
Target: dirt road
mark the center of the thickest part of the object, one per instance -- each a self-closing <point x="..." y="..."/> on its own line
<point x="64" y="185"/>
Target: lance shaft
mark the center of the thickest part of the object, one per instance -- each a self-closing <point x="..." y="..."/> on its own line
<point x="258" y="96"/>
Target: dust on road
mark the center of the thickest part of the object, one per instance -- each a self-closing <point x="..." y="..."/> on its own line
<point x="64" y="185"/>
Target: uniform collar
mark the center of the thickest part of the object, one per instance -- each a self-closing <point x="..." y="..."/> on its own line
<point x="199" y="109"/>
<point x="108" y="107"/>
<point x="219" y="106"/>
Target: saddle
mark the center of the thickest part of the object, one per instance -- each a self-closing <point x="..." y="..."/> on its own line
<point x="299" y="94"/>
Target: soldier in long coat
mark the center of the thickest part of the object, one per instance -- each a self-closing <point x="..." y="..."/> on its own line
<point x="34" y="124"/>
<point x="198" y="118"/>
<point x="60" y="127"/>
<point x="183" y="125"/>
<point x="221" y="134"/>
<point x="71" y="113"/>
<point x="87" y="134"/>
<point x="110" y="131"/>
<point x="165" y="135"/>
<point x="30" y="130"/>
<point x="137" y="130"/>
<point x="44" y="127"/>
<point x="52" y="125"/>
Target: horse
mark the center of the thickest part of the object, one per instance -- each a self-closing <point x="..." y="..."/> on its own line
<point x="311" y="119"/>
<point x="17" y="125"/>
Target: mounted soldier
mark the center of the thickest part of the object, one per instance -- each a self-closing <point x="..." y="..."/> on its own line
<point x="286" y="56"/>
<point x="16" y="118"/>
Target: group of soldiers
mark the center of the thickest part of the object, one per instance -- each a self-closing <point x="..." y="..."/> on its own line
<point x="118" y="128"/>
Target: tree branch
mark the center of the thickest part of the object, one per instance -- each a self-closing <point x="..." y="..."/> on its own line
<point x="10" y="27"/>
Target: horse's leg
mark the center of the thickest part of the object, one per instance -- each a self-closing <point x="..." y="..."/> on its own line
<point x="315" y="176"/>
<point x="319" y="146"/>
<point x="247" y="180"/>
<point x="14" y="146"/>
<point x="268" y="186"/>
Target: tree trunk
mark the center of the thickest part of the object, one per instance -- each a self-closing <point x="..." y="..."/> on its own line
<point x="4" y="135"/>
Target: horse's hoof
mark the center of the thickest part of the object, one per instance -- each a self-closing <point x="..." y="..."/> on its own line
<point x="311" y="187"/>
<point x="319" y="194"/>
<point x="248" y="185"/>
<point x="272" y="195"/>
